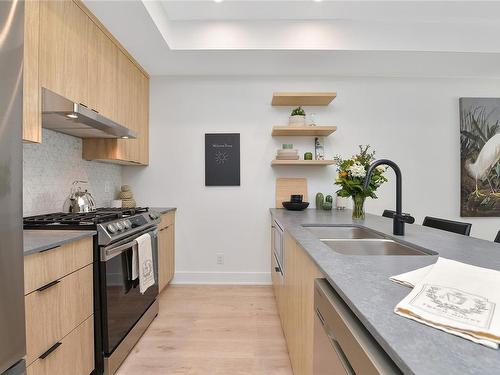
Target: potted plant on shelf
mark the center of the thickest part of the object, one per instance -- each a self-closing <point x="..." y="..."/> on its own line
<point x="297" y="117"/>
<point x="351" y="178"/>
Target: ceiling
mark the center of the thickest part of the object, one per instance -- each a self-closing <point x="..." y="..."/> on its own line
<point x="372" y="38"/>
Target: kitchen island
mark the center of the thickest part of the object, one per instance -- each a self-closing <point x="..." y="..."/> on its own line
<point x="363" y="283"/>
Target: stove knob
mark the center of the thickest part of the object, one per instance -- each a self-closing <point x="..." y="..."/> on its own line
<point x="111" y="228"/>
<point x="127" y="224"/>
<point x="153" y="215"/>
<point x="120" y="226"/>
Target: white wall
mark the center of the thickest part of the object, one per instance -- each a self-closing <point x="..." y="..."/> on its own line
<point x="412" y="121"/>
<point x="50" y="168"/>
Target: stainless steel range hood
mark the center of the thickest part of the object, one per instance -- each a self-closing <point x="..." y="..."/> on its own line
<point x="65" y="116"/>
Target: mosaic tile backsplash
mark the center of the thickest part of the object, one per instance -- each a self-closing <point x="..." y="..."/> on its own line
<point x="50" y="168"/>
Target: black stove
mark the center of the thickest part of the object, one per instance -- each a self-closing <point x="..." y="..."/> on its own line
<point x="120" y="310"/>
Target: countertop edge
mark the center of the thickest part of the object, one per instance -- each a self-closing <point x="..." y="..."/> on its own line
<point x="164" y="210"/>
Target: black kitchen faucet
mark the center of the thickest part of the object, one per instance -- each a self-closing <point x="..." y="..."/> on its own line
<point x="399" y="218"/>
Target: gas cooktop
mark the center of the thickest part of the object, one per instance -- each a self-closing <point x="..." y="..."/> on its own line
<point x="111" y="224"/>
<point x="81" y="220"/>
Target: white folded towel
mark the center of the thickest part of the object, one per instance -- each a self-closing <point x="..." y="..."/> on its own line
<point x="456" y="298"/>
<point x="142" y="263"/>
<point x="413" y="277"/>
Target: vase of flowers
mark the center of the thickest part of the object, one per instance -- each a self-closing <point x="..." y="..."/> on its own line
<point x="351" y="179"/>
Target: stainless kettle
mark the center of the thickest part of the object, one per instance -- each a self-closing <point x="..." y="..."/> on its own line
<point x="79" y="200"/>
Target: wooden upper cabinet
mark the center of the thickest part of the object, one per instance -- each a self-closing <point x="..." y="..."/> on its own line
<point x="143" y="119"/>
<point x="69" y="51"/>
<point x="32" y="116"/>
<point x="132" y="102"/>
<point x="64" y="38"/>
<point x="103" y="76"/>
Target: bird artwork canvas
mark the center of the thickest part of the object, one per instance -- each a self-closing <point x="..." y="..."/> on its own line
<point x="480" y="157"/>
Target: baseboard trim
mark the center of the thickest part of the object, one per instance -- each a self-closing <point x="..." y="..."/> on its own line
<point x="222" y="278"/>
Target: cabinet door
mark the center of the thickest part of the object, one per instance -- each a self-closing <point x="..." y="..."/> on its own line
<point x="103" y="63"/>
<point x="170" y="252"/>
<point x="298" y="306"/>
<point x="32" y="120"/>
<point x="143" y="118"/>
<point x="162" y="258"/>
<point x="63" y="51"/>
<point x="54" y="312"/>
<point x="74" y="355"/>
<point x="127" y="95"/>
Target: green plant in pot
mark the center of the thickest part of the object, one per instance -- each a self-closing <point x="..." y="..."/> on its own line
<point x="297" y="117"/>
<point x="351" y="178"/>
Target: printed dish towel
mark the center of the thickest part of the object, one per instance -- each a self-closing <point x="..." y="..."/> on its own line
<point x="454" y="297"/>
<point x="142" y="263"/>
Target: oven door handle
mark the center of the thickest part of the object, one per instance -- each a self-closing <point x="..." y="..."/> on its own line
<point x="109" y="253"/>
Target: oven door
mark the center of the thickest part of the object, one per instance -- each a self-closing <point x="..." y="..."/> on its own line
<point x="121" y="301"/>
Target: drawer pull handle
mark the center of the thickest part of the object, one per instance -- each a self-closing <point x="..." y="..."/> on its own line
<point x="162" y="229"/>
<point x="50" y="248"/>
<point x="50" y="350"/>
<point x="49" y="285"/>
<point x="276" y="269"/>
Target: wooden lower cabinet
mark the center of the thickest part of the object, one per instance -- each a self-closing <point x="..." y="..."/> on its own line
<point x="50" y="265"/>
<point x="54" y="312"/>
<point x="74" y="355"/>
<point x="166" y="250"/>
<point x="296" y="305"/>
<point x="59" y="307"/>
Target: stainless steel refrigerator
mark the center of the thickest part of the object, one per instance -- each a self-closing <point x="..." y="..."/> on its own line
<point x="12" y="330"/>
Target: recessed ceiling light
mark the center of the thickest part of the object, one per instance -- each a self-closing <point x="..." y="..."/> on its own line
<point x="218" y="1"/>
<point x="124" y="137"/>
<point x="72" y="115"/>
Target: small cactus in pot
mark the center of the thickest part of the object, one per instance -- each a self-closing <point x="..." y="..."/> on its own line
<point x="320" y="200"/>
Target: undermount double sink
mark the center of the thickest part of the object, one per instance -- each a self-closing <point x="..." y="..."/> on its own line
<point x="352" y="240"/>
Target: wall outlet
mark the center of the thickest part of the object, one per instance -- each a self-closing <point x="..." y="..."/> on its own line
<point x="107" y="187"/>
<point x="220" y="258"/>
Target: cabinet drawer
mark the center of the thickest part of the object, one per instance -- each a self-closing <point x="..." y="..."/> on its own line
<point x="45" y="267"/>
<point x="56" y="309"/>
<point x="166" y="220"/>
<point x="74" y="355"/>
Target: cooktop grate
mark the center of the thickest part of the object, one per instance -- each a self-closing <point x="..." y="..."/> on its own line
<point x="80" y="219"/>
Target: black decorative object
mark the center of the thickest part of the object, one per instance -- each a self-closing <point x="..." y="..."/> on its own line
<point x="292" y="206"/>
<point x="222" y="159"/>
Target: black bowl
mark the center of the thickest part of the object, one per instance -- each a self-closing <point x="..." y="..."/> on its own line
<point x="293" y="206"/>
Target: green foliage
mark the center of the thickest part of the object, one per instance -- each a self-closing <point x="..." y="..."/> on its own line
<point x="352" y="173"/>
<point x="298" y="112"/>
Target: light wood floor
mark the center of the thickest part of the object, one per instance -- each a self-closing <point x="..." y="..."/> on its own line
<point x="212" y="330"/>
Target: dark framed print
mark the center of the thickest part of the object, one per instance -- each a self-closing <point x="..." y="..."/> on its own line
<point x="222" y="159"/>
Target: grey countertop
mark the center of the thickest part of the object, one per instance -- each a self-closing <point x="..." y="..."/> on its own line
<point x="40" y="240"/>
<point x="163" y="210"/>
<point x="363" y="282"/>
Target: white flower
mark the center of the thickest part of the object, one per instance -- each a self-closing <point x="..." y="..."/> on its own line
<point x="357" y="170"/>
<point x="382" y="168"/>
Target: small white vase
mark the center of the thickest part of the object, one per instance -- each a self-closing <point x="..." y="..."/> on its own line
<point x="297" y="120"/>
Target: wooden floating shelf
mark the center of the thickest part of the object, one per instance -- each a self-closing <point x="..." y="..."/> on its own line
<point x="320" y="131"/>
<point x="303" y="162"/>
<point x="303" y="98"/>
